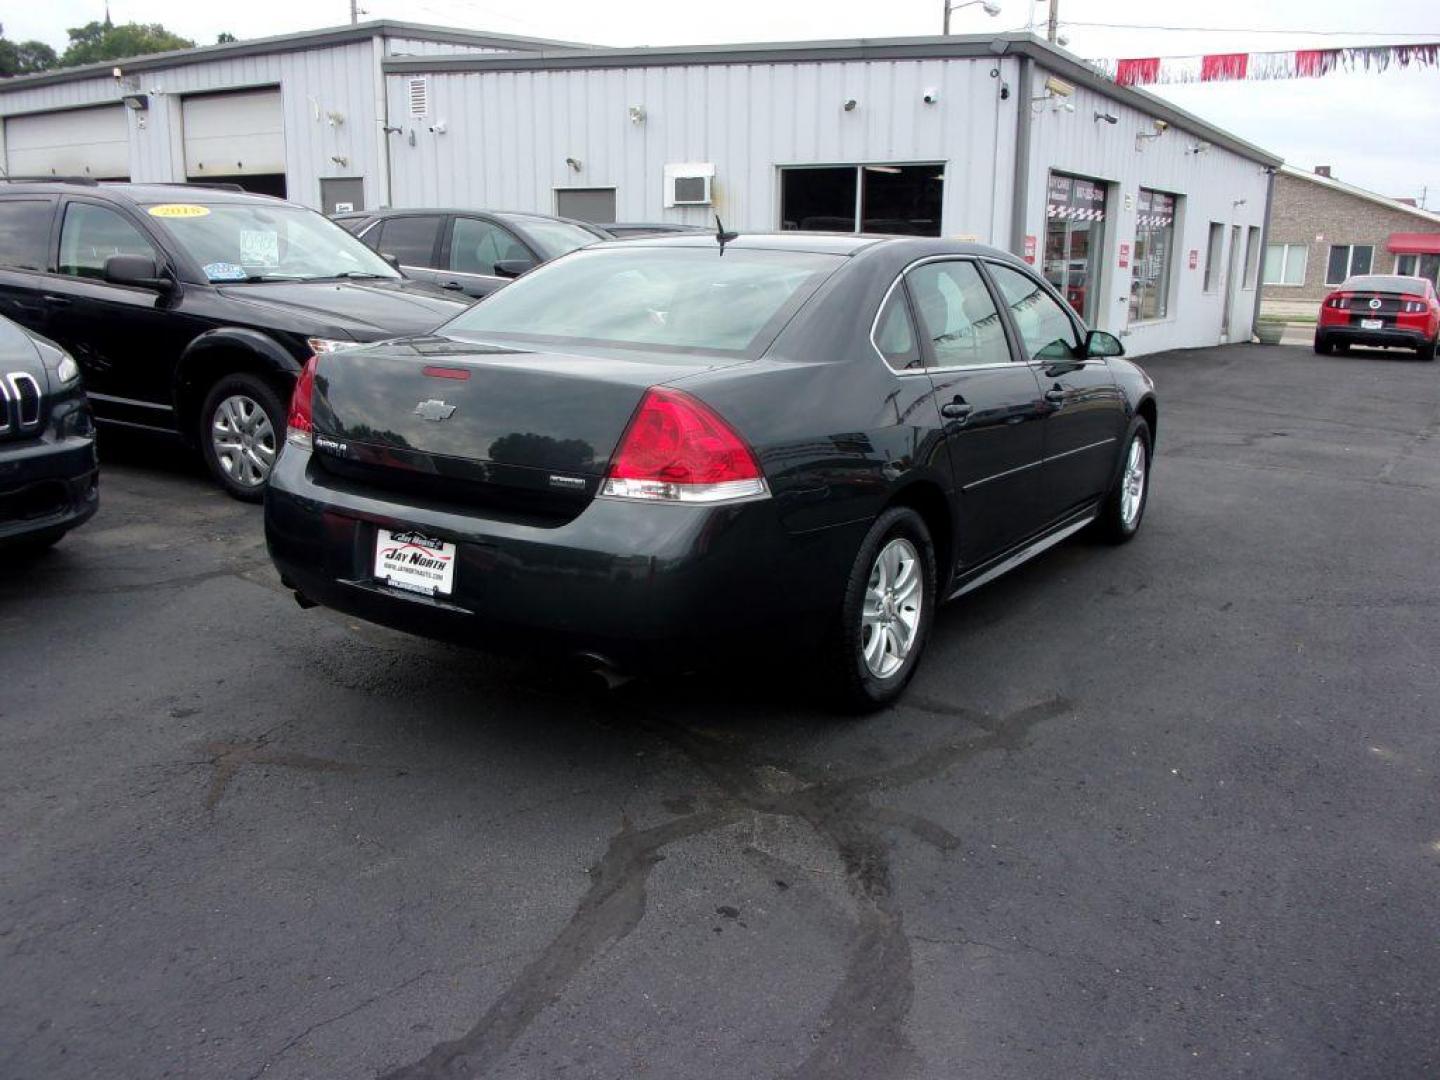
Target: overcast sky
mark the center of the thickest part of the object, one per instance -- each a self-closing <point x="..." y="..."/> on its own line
<point x="1378" y="131"/>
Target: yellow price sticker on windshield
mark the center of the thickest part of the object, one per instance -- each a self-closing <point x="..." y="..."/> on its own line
<point x="179" y="210"/>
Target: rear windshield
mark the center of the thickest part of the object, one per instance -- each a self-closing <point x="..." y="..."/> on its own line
<point x="1391" y="283"/>
<point x="672" y="299"/>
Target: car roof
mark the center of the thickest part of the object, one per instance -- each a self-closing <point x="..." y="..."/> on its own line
<point x="1387" y="283"/>
<point x="817" y="243"/>
<point x="139" y="193"/>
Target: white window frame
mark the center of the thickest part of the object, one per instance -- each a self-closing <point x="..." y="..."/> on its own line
<point x="1214" y="258"/>
<point x="1252" y="257"/>
<point x="1285" y="252"/>
<point x="1349" y="261"/>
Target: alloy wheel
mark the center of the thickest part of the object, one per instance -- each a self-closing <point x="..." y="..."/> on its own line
<point x="1132" y="484"/>
<point x="890" y="617"/>
<point x="244" y="440"/>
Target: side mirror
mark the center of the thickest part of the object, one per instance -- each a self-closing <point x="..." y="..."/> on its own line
<point x="139" y="271"/>
<point x="393" y="261"/>
<point x="1100" y="343"/>
<point x="513" y="268"/>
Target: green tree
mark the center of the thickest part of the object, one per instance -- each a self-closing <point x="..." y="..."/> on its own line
<point x="225" y="38"/>
<point x="24" y="57"/>
<point x="96" y="41"/>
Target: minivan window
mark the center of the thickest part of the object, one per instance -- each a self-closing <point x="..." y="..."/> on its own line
<point x="25" y="232"/>
<point x="672" y="299"/>
<point x="91" y="234"/>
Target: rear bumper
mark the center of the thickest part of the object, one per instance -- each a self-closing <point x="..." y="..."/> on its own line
<point x="643" y="586"/>
<point x="1398" y="337"/>
<point x="47" y="483"/>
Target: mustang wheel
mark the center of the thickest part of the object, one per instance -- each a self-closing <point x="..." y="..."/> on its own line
<point x="888" y="607"/>
<point x="241" y="426"/>
<point x="1124" y="508"/>
<point x="1426" y="352"/>
<point x="1323" y="345"/>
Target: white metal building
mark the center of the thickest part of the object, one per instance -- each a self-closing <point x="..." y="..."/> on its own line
<point x="1148" y="219"/>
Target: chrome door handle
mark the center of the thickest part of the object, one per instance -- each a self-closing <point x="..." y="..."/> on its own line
<point x="1055" y="396"/>
<point x="959" y="409"/>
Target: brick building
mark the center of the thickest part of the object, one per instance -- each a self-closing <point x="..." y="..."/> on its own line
<point x="1323" y="230"/>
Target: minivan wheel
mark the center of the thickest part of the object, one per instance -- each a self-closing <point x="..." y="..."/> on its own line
<point x="242" y="424"/>
<point x="1124" y="507"/>
<point x="889" y="605"/>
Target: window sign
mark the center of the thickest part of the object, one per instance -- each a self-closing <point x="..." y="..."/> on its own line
<point x="1075" y="238"/>
<point x="1154" y="255"/>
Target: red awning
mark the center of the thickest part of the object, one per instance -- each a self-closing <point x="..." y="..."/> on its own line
<point x="1414" y="243"/>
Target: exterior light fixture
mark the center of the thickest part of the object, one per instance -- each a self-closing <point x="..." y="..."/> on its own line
<point x="637" y="114"/>
<point x="137" y="102"/>
<point x="574" y="163"/>
<point x="849" y="105"/>
<point x="1108" y="117"/>
<point x="988" y="6"/>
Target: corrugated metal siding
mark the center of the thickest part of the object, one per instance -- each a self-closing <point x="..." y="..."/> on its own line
<point x="313" y="84"/>
<point x="415" y="47"/>
<point x="1211" y="183"/>
<point x="509" y="133"/>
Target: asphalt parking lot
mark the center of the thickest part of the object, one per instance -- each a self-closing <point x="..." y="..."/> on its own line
<point x="1169" y="809"/>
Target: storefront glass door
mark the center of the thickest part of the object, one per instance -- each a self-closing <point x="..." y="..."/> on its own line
<point x="1075" y="239"/>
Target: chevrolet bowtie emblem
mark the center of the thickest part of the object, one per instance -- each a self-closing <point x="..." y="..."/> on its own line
<point x="434" y="410"/>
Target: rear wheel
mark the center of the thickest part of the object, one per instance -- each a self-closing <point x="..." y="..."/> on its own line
<point x="241" y="425"/>
<point x="1323" y="345"/>
<point x="1124" y="507"/>
<point x="1426" y="352"/>
<point x="885" y="617"/>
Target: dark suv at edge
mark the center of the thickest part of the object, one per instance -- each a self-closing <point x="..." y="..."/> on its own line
<point x="191" y="309"/>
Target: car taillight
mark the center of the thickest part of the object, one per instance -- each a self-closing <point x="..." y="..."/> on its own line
<point x="1413" y="306"/>
<point x="678" y="449"/>
<point x="299" y="426"/>
<point x="1339" y="303"/>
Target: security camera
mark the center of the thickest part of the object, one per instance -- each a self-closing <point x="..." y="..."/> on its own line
<point x="849" y="105"/>
<point x="932" y="95"/>
<point x="1057" y="87"/>
<point x="1161" y="126"/>
<point x="1108" y="117"/>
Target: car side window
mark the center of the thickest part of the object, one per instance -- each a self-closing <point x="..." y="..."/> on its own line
<point x="25" y="232"/>
<point x="411" y="238"/>
<point x="895" y="336"/>
<point x="958" y="315"/>
<point x="1046" y="331"/>
<point x="91" y="234"/>
<point x="477" y="245"/>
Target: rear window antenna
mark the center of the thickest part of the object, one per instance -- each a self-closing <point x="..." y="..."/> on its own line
<point x="723" y="237"/>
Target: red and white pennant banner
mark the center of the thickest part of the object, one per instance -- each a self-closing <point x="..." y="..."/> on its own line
<point x="1295" y="64"/>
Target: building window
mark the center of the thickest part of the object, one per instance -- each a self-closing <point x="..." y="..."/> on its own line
<point x="1426" y="266"/>
<point x="1154" y="255"/>
<point x="586" y="204"/>
<point x="1285" y="264"/>
<point x="1213" y="250"/>
<point x="1075" y="239"/>
<point x="1252" y="256"/>
<point x="1347" y="260"/>
<point x="904" y="199"/>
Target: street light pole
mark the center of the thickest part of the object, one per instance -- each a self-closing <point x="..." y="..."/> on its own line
<point x="1052" y="29"/>
<point x="991" y="8"/>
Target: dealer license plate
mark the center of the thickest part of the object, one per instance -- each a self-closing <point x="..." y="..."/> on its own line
<point x="1372" y="324"/>
<point x="413" y="561"/>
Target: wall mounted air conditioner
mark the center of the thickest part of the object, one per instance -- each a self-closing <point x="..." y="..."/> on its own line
<point x="689" y="184"/>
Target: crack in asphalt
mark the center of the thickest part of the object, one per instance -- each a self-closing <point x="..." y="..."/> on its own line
<point x="228" y="758"/>
<point x="861" y="1032"/>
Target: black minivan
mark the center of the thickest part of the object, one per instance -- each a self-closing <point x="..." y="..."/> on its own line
<point x="191" y="309"/>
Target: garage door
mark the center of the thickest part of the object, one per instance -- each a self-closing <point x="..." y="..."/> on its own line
<point x="77" y="142"/>
<point x="240" y="134"/>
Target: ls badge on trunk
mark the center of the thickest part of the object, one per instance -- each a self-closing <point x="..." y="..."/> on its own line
<point x="434" y="410"/>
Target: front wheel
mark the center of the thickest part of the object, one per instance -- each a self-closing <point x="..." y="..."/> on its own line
<point x="1124" y="507"/>
<point x="885" y="616"/>
<point x="241" y="425"/>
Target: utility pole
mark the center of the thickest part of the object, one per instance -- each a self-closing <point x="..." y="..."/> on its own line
<point x="355" y="12"/>
<point x="1052" y="29"/>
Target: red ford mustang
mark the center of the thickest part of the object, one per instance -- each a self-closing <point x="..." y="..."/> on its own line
<point x="1380" y="309"/>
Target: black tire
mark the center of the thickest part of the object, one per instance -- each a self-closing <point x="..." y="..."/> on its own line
<point x="236" y="474"/>
<point x="1426" y="352"/>
<point x="1112" y="525"/>
<point x="1323" y="345"/>
<point x="853" y="686"/>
